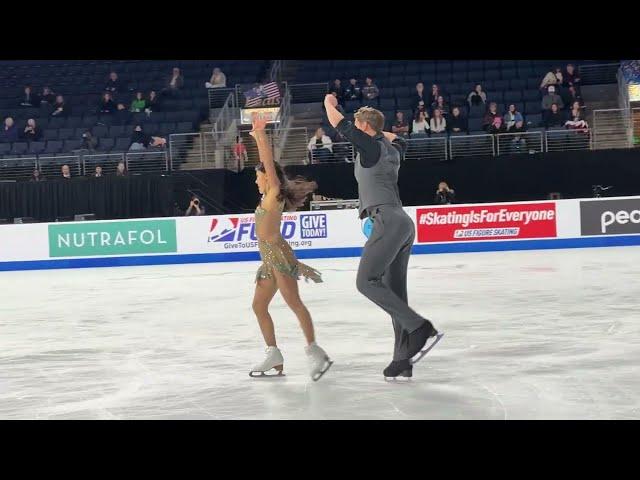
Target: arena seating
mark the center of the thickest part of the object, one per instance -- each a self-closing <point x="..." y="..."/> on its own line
<point x="82" y="83"/>
<point x="505" y="81"/>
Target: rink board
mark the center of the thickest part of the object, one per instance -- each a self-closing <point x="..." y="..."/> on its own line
<point x="575" y="223"/>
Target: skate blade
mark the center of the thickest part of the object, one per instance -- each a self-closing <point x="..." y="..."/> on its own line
<point x="255" y="374"/>
<point x="418" y="356"/>
<point x="398" y="379"/>
<point x="317" y="376"/>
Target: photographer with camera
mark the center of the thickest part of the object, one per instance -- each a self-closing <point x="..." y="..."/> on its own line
<point x="444" y="194"/>
<point x="194" y="208"/>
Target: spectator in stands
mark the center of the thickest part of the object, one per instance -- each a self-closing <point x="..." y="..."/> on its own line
<point x="138" y="104"/>
<point x="420" y="123"/>
<point x="457" y="123"/>
<point x="122" y="116"/>
<point x="477" y="97"/>
<point x="435" y="93"/>
<point x="60" y="108"/>
<point x="441" y="105"/>
<point x="438" y="124"/>
<point x="9" y="131"/>
<point x="217" y="80"/>
<point x="66" y="172"/>
<point x="31" y="131"/>
<point x="553" y="77"/>
<point x="338" y="90"/>
<point x="139" y="140"/>
<point x="554" y="117"/>
<point x="89" y="142"/>
<point x="240" y="153"/>
<point x="194" y="207"/>
<point x="98" y="172"/>
<point x="370" y="91"/>
<point x="153" y="102"/>
<point x="497" y="126"/>
<point x="174" y="82"/>
<point x="576" y="119"/>
<point x="400" y="126"/>
<point x="518" y="143"/>
<point x="444" y="194"/>
<point x="29" y="98"/>
<point x="157" y="142"/>
<point x="121" y="170"/>
<point x="550" y="98"/>
<point x="572" y="82"/>
<point x="114" y="85"/>
<point x="107" y="105"/>
<point x="47" y="97"/>
<point x="512" y="117"/>
<point x="37" y="176"/>
<point x="490" y="116"/>
<point x="353" y="90"/>
<point x="420" y="100"/>
<point x="320" y="147"/>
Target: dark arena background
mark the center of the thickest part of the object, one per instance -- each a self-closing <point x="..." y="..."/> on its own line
<point x="147" y="168"/>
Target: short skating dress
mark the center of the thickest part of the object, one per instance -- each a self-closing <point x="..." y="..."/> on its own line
<point x="278" y="255"/>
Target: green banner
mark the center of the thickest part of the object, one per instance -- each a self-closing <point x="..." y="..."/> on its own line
<point x="86" y="239"/>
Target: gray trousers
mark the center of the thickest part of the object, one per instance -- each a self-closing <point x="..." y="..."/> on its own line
<point x="382" y="274"/>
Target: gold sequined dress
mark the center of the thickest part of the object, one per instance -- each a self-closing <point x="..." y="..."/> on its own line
<point x="278" y="255"/>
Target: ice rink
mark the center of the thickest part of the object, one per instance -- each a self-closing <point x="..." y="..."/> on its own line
<point x="528" y="335"/>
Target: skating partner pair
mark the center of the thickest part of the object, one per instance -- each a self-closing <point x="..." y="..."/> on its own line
<point x="382" y="273"/>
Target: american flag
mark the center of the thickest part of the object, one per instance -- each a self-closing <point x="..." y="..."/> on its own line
<point x="256" y="95"/>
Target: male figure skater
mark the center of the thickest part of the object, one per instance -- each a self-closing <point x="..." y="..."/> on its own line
<point x="382" y="274"/>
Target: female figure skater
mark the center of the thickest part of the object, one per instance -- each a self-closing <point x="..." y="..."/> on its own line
<point x="280" y="269"/>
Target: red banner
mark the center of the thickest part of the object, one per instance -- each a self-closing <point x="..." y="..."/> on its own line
<point x="486" y="222"/>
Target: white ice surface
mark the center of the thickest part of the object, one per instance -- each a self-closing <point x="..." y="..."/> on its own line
<point x="528" y="335"/>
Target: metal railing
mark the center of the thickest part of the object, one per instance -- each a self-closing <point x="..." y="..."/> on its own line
<point x="51" y="167"/>
<point x="147" y="162"/>
<point x="218" y="96"/>
<point x="568" y="139"/>
<point x="471" y="145"/>
<point x="598" y="74"/>
<point x="186" y="148"/>
<point x="308" y="92"/>
<point x="108" y="162"/>
<point x="226" y="117"/>
<point x="275" y="72"/>
<point x="17" y="168"/>
<point x="425" y="148"/>
<point x="611" y="129"/>
<point x="623" y="90"/>
<point x="294" y="150"/>
<point x="523" y="142"/>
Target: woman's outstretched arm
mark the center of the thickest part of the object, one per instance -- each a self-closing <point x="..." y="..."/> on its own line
<point x="265" y="151"/>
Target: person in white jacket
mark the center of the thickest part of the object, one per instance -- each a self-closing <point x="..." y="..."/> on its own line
<point x="320" y="146"/>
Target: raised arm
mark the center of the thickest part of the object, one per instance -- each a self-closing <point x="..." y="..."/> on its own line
<point x="264" y="150"/>
<point x="331" y="104"/>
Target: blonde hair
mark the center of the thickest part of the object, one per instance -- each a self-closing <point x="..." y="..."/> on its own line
<point x="373" y="117"/>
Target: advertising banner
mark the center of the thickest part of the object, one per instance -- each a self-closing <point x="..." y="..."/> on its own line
<point x="486" y="222"/>
<point x="610" y="217"/>
<point x="85" y="239"/>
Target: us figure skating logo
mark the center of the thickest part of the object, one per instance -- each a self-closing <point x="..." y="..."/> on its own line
<point x="223" y="229"/>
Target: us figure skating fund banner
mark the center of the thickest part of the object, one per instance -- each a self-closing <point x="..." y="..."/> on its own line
<point x="303" y="230"/>
<point x="486" y="222"/>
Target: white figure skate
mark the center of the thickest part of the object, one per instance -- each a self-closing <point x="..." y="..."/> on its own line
<point x="271" y="366"/>
<point x="318" y="361"/>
